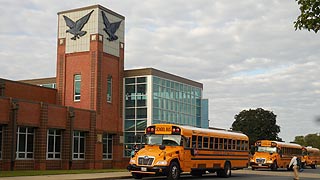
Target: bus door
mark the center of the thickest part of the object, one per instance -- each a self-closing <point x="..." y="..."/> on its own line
<point x="186" y="156"/>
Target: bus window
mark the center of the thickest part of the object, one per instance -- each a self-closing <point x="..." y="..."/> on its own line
<point x="167" y="140"/>
<point x="220" y="143"/>
<point x="216" y="143"/>
<point x="199" y="142"/>
<point x="186" y="142"/>
<point x="244" y="145"/>
<point x="238" y="145"/>
<point x="234" y="144"/>
<point x="194" y="141"/>
<point x="211" y="142"/>
<point x="229" y="144"/>
<point x="205" y="142"/>
<point x="225" y="143"/>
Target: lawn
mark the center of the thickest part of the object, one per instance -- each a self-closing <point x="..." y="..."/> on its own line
<point x="55" y="172"/>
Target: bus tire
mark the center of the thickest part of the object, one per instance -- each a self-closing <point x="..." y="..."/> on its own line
<point x="274" y="166"/>
<point x="137" y="176"/>
<point x="226" y="171"/>
<point x="174" y="171"/>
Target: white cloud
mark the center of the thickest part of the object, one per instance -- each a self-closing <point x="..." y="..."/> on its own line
<point x="246" y="53"/>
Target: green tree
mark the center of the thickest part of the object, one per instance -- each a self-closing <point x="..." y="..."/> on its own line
<point x="308" y="140"/>
<point x="300" y="140"/>
<point x="310" y="15"/>
<point x="257" y="124"/>
<point x="313" y="140"/>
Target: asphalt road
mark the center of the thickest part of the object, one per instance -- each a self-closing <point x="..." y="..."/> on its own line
<point x="281" y="174"/>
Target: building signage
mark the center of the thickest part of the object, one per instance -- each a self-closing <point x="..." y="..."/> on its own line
<point x="76" y="27"/>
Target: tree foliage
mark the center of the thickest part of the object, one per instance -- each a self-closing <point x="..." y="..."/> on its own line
<point x="310" y="15"/>
<point x="308" y="140"/>
<point x="257" y="124"/>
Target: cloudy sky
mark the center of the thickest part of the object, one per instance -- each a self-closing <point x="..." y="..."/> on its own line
<point x="246" y="53"/>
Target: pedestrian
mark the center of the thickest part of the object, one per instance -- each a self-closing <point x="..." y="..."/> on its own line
<point x="134" y="150"/>
<point x="295" y="167"/>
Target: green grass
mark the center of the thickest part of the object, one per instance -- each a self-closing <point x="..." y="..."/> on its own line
<point x="55" y="172"/>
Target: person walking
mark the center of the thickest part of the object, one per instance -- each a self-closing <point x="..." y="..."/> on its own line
<point x="295" y="167"/>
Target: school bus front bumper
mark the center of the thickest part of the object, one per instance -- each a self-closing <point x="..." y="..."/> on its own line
<point x="260" y="163"/>
<point x="156" y="170"/>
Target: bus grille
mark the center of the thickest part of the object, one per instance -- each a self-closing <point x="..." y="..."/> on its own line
<point x="145" y="160"/>
<point x="260" y="160"/>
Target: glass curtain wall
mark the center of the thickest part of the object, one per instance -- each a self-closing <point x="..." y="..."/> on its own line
<point x="176" y="103"/>
<point x="135" y="111"/>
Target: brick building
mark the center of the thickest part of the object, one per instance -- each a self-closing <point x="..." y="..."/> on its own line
<point x="83" y="118"/>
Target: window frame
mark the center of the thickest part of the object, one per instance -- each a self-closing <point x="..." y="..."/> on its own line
<point x="54" y="153"/>
<point x="76" y="97"/>
<point x="106" y="138"/>
<point x="25" y="152"/>
<point x="109" y="89"/>
<point x="82" y="135"/>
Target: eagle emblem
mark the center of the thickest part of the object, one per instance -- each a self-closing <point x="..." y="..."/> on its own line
<point x="110" y="28"/>
<point x="76" y="27"/>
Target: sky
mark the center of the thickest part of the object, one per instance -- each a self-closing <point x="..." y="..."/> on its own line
<point x="246" y="53"/>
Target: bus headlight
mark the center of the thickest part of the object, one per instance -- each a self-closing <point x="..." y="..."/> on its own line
<point x="251" y="160"/>
<point x="132" y="161"/>
<point x="161" y="163"/>
<point x="270" y="162"/>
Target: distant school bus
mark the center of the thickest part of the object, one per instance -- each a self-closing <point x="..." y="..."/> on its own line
<point x="172" y="149"/>
<point x="311" y="157"/>
<point x="274" y="155"/>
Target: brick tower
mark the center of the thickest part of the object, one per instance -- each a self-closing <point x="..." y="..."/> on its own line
<point x="90" y="68"/>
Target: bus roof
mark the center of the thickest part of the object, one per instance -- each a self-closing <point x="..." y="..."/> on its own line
<point x="312" y="149"/>
<point x="221" y="133"/>
<point x="282" y="144"/>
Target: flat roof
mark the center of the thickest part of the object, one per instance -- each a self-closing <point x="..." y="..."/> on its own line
<point x="38" y="81"/>
<point x="156" y="72"/>
<point x="92" y="7"/>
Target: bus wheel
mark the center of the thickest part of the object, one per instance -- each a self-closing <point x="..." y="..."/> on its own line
<point x="274" y="166"/>
<point x="137" y="176"/>
<point x="174" y="171"/>
<point x="226" y="172"/>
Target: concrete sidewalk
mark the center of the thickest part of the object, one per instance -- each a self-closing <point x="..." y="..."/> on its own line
<point x="109" y="175"/>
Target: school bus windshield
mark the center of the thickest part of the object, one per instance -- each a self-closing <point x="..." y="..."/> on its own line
<point x="168" y="140"/>
<point x="267" y="149"/>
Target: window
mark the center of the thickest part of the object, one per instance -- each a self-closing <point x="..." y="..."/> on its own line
<point x="0" y="142"/>
<point x="25" y="142"/>
<point x="78" y="145"/>
<point x="49" y="85"/>
<point x="77" y="87"/>
<point x="54" y="144"/>
<point x="229" y="144"/>
<point x="107" y="146"/>
<point x="225" y="145"/>
<point x="199" y="142"/>
<point x="109" y="89"/>
<point x="194" y="141"/>
<point x="205" y="142"/>
<point x="216" y="143"/>
<point x="211" y="142"/>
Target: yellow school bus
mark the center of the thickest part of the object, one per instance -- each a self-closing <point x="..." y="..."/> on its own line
<point x="311" y="157"/>
<point x="172" y="149"/>
<point x="274" y="155"/>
